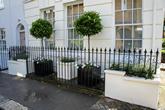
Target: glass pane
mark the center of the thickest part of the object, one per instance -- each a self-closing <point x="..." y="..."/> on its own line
<point x="81" y="43"/>
<point x="138" y="32"/>
<point x="70" y="34"/>
<point x="137" y="16"/>
<point x="76" y="36"/>
<point x="45" y="15"/>
<point x="81" y="8"/>
<point x="119" y="32"/>
<point x="75" y="17"/>
<point x="128" y="44"/>
<point x="129" y="4"/>
<point x="119" y="17"/>
<point x="69" y="11"/>
<point x="119" y="44"/>
<point x="117" y="4"/>
<point x="128" y="17"/>
<point x="137" y="3"/>
<point x="128" y="32"/>
<point x="76" y="43"/>
<point x="70" y="44"/>
<point x="70" y="23"/>
<point x="137" y="44"/>
<point x="75" y="10"/>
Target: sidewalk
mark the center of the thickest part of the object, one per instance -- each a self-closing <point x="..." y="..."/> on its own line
<point x="40" y="96"/>
<point x="6" y="104"/>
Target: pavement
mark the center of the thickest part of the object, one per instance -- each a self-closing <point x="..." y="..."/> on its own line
<point x="25" y="94"/>
<point x="33" y="95"/>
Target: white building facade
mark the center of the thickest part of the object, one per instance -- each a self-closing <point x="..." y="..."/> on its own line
<point x="127" y="23"/>
<point x="12" y="29"/>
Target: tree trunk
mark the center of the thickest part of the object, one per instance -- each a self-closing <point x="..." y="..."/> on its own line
<point x="42" y="47"/>
<point x="88" y="49"/>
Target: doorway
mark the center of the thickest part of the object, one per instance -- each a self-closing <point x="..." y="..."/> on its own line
<point x="22" y="41"/>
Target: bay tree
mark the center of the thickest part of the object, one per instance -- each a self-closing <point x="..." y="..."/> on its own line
<point x="88" y="24"/>
<point x="41" y="29"/>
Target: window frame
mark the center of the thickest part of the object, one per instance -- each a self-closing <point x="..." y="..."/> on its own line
<point x="3" y="39"/>
<point x="132" y="24"/>
<point x="52" y="21"/>
<point x="66" y="22"/>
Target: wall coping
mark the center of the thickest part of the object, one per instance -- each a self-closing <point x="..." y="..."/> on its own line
<point x="16" y="61"/>
<point x="155" y="81"/>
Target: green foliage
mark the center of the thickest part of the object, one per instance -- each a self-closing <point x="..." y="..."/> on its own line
<point x="88" y="24"/>
<point x="42" y="60"/>
<point x="22" y="55"/>
<point x="67" y="60"/>
<point x="163" y="46"/>
<point x="41" y="28"/>
<point x="135" y="70"/>
<point x="140" y="71"/>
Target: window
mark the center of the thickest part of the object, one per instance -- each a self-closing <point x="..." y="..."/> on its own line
<point x="128" y="20"/>
<point x="49" y="15"/>
<point x="1" y="4"/>
<point x="73" y="12"/>
<point x="2" y="38"/>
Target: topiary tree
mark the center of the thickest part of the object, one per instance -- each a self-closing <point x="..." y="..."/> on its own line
<point x="88" y="24"/>
<point x="41" y="29"/>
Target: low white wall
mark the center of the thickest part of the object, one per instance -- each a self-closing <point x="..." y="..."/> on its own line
<point x="66" y="71"/>
<point x="19" y="68"/>
<point x="132" y="89"/>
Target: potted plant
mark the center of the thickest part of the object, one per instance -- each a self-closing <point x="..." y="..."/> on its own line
<point x="43" y="67"/>
<point x="17" y="65"/>
<point x="133" y="84"/>
<point x="42" y="29"/>
<point x="66" y="68"/>
<point x="88" y="24"/>
<point x="89" y="75"/>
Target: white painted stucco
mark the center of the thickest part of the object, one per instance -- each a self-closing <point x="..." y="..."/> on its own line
<point x="152" y="12"/>
<point x="10" y="17"/>
<point x="132" y="89"/>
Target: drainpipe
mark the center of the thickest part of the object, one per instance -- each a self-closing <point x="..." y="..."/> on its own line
<point x="154" y="24"/>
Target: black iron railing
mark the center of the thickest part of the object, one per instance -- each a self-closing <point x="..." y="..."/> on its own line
<point x="72" y="66"/>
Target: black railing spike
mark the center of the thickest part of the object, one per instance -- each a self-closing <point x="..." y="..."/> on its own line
<point x="145" y="51"/>
<point x="134" y="50"/>
<point x="114" y="50"/>
<point x="151" y="51"/>
<point x="119" y="50"/>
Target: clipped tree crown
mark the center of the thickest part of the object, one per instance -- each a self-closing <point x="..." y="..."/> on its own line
<point x="88" y="24"/>
<point x="41" y="28"/>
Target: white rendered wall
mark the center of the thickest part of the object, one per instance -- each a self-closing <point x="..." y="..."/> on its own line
<point x="10" y="17"/>
<point x="152" y="14"/>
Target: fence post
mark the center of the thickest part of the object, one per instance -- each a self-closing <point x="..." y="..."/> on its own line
<point x="157" y="54"/>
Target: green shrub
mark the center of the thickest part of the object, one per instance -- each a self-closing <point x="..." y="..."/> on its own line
<point x="42" y="60"/>
<point x="41" y="29"/>
<point x="135" y="70"/>
<point x="88" y="24"/>
<point x="67" y="60"/>
<point x="22" y="55"/>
